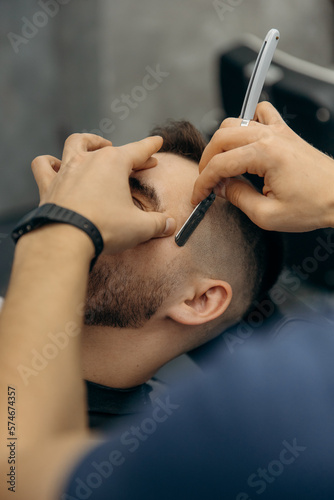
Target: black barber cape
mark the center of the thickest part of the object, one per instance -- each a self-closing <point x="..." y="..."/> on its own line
<point x="107" y="404"/>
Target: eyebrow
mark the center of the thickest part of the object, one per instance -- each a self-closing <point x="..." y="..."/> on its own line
<point x="148" y="192"/>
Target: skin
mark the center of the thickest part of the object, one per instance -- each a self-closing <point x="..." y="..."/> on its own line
<point x="43" y="298"/>
<point x="127" y="357"/>
<point x="298" y="179"/>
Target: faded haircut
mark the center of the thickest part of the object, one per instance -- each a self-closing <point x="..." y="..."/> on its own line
<point x="253" y="253"/>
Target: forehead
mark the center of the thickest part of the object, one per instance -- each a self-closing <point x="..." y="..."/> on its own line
<point x="173" y="178"/>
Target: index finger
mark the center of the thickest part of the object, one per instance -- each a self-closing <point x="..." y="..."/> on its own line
<point x="266" y="114"/>
<point x="225" y="165"/>
<point x="226" y="139"/>
<point x="139" y="152"/>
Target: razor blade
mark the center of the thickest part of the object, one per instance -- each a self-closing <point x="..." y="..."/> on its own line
<point x="195" y="218"/>
<point x="251" y="99"/>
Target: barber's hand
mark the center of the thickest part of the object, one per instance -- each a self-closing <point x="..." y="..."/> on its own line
<point x="298" y="193"/>
<point x="93" y="180"/>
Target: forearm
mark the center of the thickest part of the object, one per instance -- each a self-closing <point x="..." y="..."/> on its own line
<point x="331" y="207"/>
<point x="46" y="297"/>
<point x="44" y="303"/>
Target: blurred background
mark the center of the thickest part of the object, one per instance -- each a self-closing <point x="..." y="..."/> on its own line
<point x="119" y="67"/>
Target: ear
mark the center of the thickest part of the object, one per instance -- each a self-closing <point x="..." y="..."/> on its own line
<point x="207" y="302"/>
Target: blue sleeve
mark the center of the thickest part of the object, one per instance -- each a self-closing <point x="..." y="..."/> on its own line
<point x="258" y="424"/>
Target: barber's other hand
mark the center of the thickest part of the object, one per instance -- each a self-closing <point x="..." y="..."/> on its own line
<point x="298" y="193"/>
<point x="93" y="180"/>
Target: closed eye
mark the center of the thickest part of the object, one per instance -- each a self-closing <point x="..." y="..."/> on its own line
<point x="148" y="194"/>
<point x="138" y="203"/>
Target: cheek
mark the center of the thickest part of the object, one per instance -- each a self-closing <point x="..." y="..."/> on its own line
<point x="157" y="252"/>
<point x="160" y="255"/>
<point x="145" y="259"/>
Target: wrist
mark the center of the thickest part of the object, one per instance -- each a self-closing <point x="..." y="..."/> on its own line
<point x="50" y="213"/>
<point x="331" y="214"/>
<point x="328" y="195"/>
<point x="63" y="240"/>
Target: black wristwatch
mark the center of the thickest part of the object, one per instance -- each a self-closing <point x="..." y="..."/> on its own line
<point x="51" y="213"/>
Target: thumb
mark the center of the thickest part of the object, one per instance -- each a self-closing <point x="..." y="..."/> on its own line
<point x="268" y="115"/>
<point x="244" y="196"/>
<point x="44" y="169"/>
<point x="156" y="225"/>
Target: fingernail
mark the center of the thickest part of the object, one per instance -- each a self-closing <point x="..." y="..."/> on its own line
<point x="170" y="226"/>
<point x="220" y="189"/>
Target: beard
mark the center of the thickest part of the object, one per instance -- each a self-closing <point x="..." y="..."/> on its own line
<point x="119" y="296"/>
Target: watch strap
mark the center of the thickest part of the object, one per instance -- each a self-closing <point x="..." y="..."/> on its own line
<point x="51" y="213"/>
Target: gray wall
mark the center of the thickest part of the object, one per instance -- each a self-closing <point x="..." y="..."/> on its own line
<point x="48" y="88"/>
<point x="185" y="38"/>
<point x="73" y="69"/>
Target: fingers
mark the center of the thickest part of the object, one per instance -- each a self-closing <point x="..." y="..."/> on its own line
<point x="154" y="225"/>
<point x="244" y="196"/>
<point x="82" y="143"/>
<point x="225" y="165"/>
<point x="226" y="139"/>
<point x="150" y="163"/>
<point x="268" y="115"/>
<point x="235" y="122"/>
<point x="44" y="169"/>
<point x="256" y="206"/>
<point x="139" y="153"/>
<point x="55" y="163"/>
<point x="139" y="228"/>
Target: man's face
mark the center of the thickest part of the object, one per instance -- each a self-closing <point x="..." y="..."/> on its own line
<point x="126" y="289"/>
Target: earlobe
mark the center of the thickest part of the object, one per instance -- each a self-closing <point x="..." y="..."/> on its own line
<point x="208" y="302"/>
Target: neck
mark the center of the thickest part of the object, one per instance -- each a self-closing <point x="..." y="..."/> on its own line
<point x="123" y="358"/>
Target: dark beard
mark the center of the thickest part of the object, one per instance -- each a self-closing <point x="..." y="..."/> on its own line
<point x="121" y="297"/>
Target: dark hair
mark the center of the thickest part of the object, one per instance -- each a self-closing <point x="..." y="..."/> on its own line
<point x="181" y="138"/>
<point x="265" y="248"/>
